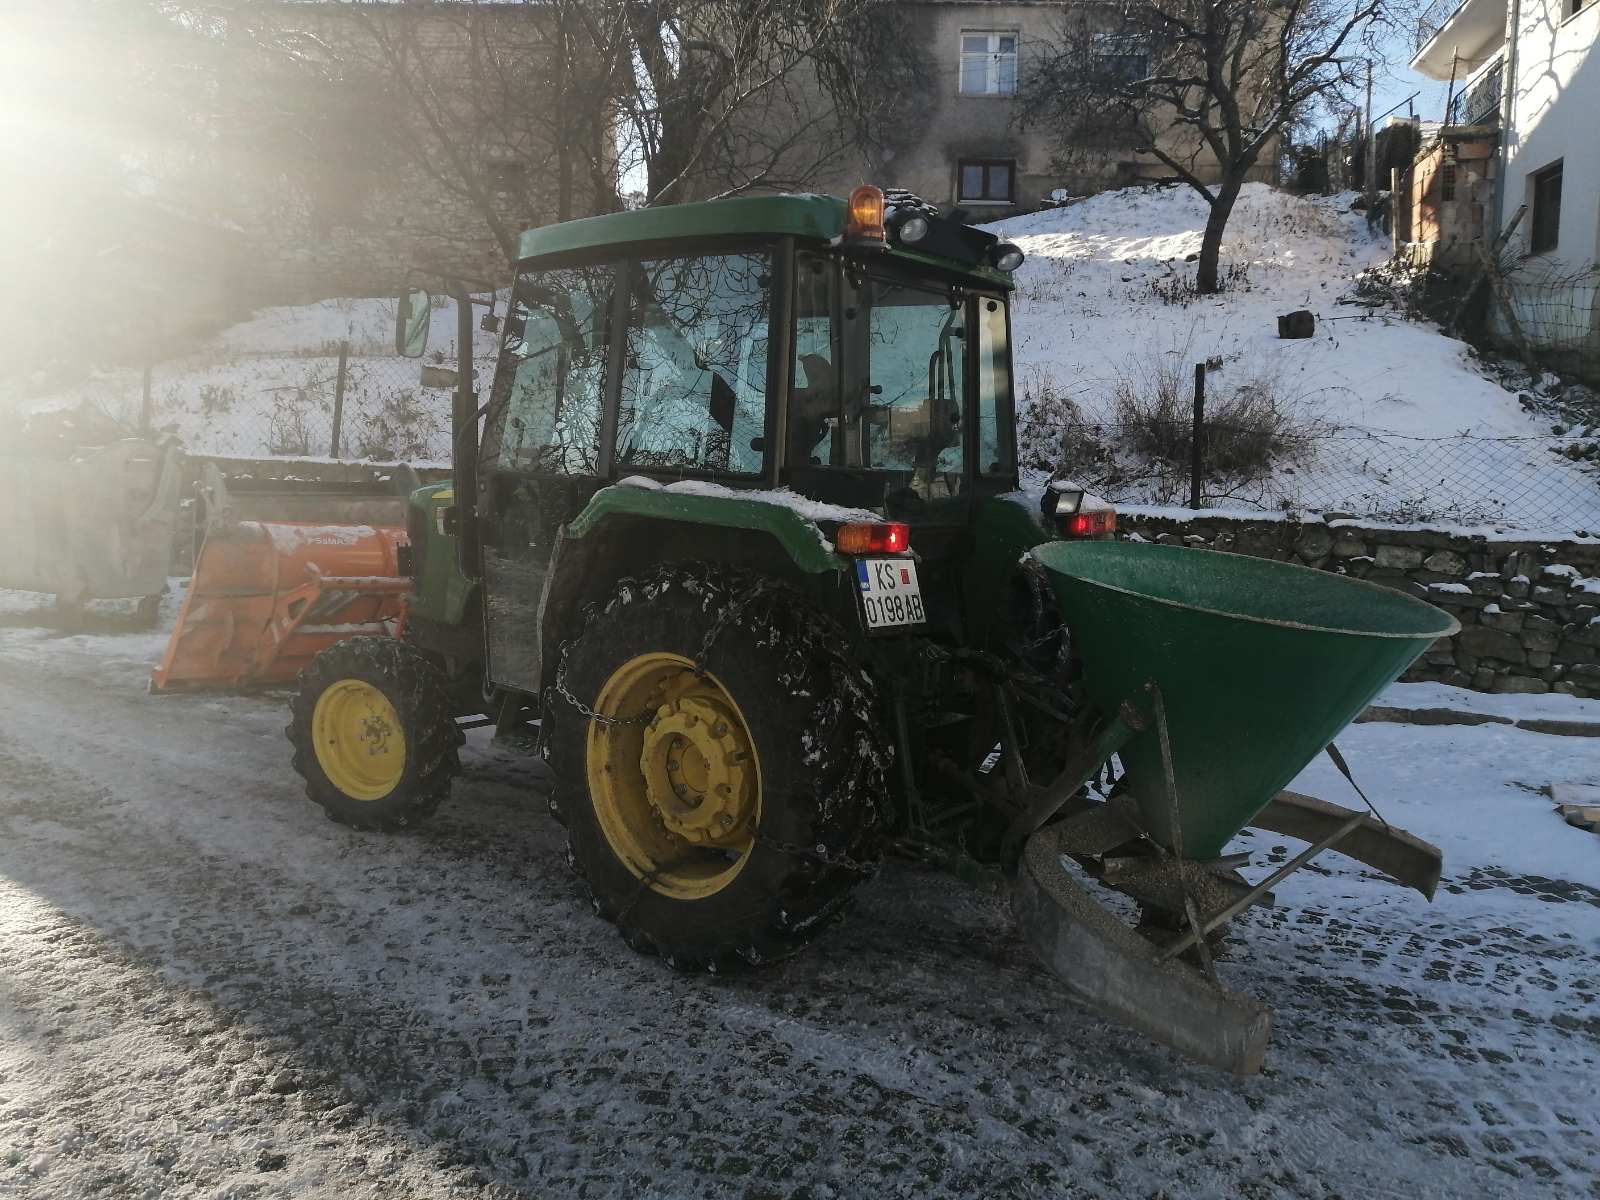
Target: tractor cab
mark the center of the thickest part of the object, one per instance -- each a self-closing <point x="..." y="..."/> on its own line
<point x="854" y="352"/>
<point x="838" y="362"/>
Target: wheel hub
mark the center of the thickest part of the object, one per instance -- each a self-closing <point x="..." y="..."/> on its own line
<point x="696" y="766"/>
<point x="678" y="798"/>
<point x="358" y="739"/>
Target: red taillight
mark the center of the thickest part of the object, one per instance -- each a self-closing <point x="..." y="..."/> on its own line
<point x="888" y="538"/>
<point x="1094" y="523"/>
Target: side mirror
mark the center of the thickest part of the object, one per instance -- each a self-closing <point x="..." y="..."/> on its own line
<point x="411" y="319"/>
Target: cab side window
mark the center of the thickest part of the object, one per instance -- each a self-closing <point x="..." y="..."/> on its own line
<point x="694" y="387"/>
<point x="550" y="384"/>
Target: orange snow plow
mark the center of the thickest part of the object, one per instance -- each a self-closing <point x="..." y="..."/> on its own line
<point x="267" y="597"/>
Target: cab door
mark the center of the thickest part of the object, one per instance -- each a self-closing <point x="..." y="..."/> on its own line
<point x="541" y="458"/>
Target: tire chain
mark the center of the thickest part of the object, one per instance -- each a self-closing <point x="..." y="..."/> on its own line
<point x="763" y="587"/>
<point x="818" y="853"/>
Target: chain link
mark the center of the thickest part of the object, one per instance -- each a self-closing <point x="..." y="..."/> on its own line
<point x="818" y="854"/>
<point x="727" y="615"/>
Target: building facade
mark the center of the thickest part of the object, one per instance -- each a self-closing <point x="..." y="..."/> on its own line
<point x="1519" y="141"/>
<point x="968" y="149"/>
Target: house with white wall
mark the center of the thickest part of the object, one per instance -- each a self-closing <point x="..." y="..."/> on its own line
<point x="1526" y="73"/>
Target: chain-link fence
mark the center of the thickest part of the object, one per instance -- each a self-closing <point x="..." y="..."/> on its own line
<point x="1549" y="484"/>
<point x="1551" y="320"/>
<point x="275" y="389"/>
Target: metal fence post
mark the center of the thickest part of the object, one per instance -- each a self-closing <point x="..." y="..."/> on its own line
<point x="1196" y="457"/>
<point x="338" y="399"/>
<point x="146" y="405"/>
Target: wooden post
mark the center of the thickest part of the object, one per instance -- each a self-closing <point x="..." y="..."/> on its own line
<point x="1394" y="212"/>
<point x="338" y="399"/>
<point x="1196" y="458"/>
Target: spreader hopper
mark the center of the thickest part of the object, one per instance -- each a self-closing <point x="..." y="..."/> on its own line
<point x="1216" y="678"/>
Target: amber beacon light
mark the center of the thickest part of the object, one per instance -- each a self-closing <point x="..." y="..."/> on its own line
<point x="863" y="222"/>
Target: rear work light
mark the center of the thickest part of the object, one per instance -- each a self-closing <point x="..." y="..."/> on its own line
<point x="889" y="538"/>
<point x="1008" y="257"/>
<point x="863" y="218"/>
<point x="1096" y="522"/>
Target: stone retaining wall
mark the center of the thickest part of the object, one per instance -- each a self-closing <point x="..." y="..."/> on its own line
<point x="1529" y="609"/>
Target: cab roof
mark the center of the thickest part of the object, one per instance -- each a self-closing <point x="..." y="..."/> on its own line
<point x="807" y="216"/>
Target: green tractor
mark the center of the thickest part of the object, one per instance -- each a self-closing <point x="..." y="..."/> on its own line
<point x="735" y="543"/>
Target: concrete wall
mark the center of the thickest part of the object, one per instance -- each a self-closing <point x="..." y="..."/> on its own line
<point x="1555" y="102"/>
<point x="1529" y="609"/>
<point x="1554" y="106"/>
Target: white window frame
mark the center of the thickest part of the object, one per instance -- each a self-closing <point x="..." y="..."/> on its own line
<point x="990" y="58"/>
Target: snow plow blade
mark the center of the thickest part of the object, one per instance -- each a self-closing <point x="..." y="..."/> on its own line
<point x="1119" y="973"/>
<point x="267" y="597"/>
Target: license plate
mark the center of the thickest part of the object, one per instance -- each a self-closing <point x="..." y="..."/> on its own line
<point x="890" y="594"/>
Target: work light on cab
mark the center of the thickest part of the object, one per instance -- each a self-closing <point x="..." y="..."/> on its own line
<point x="890" y="537"/>
<point x="863" y="222"/>
<point x="1007" y="257"/>
<point x="909" y="228"/>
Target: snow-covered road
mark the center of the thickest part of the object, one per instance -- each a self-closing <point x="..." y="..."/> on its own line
<point x="208" y="990"/>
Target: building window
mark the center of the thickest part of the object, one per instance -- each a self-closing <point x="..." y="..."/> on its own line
<point x="1120" y="58"/>
<point x="1546" y="229"/>
<point x="1574" y="7"/>
<point x="988" y="63"/>
<point x="1447" y="182"/>
<point x="983" y="179"/>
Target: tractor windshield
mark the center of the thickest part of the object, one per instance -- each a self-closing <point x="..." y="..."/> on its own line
<point x="881" y="379"/>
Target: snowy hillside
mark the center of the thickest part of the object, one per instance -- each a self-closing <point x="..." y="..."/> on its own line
<point x="1397" y="421"/>
<point x="266" y="386"/>
<point x="1376" y="416"/>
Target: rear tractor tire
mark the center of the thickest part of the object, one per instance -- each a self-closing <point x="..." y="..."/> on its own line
<point x="726" y="816"/>
<point x="373" y="733"/>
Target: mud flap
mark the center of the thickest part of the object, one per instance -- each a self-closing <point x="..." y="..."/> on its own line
<point x="1116" y="971"/>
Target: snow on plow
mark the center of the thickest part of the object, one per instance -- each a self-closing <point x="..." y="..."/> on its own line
<point x="267" y="597"/>
<point x="1215" y="678"/>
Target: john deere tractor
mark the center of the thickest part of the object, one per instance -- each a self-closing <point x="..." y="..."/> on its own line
<point x="735" y="542"/>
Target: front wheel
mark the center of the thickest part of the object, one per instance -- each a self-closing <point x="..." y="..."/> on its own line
<point x="373" y="733"/>
<point x="716" y="763"/>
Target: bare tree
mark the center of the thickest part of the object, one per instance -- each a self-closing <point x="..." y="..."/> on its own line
<point x="726" y="96"/>
<point x="526" y="113"/>
<point x="1203" y="86"/>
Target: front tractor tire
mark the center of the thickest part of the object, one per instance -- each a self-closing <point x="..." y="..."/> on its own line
<point x="373" y="733"/>
<point x="723" y="803"/>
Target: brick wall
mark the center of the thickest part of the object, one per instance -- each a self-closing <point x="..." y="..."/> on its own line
<point x="1529" y="609"/>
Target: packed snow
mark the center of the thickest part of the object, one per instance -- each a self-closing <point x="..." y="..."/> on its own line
<point x="207" y="990"/>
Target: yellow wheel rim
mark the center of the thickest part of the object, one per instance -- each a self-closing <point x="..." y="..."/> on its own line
<point x="679" y="798"/>
<point x="359" y="743"/>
